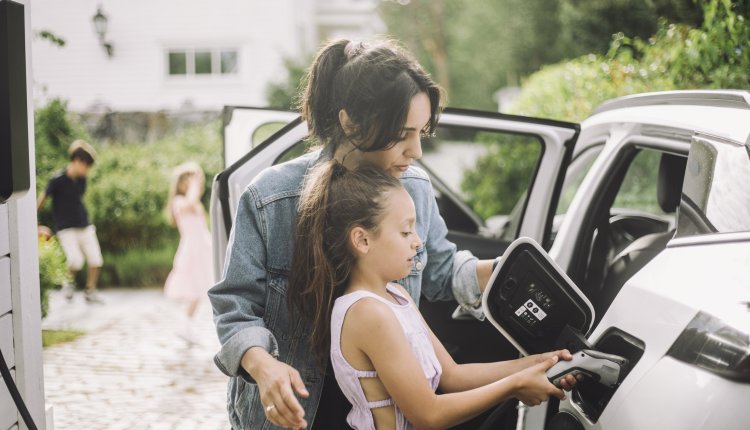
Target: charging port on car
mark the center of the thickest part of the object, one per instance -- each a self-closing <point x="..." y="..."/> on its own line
<point x="591" y="396"/>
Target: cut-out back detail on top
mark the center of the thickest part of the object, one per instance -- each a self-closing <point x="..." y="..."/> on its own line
<point x="370" y="374"/>
<point x="360" y="417"/>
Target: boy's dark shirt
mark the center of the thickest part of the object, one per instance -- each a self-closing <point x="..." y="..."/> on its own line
<point x="67" y="201"/>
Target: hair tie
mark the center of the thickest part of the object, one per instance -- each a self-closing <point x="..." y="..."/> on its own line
<point x="338" y="170"/>
<point x="353" y="49"/>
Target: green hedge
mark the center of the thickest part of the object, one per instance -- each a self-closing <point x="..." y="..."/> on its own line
<point x="52" y="270"/>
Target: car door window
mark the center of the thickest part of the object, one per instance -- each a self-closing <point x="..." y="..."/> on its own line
<point x="577" y="170"/>
<point x="481" y="175"/>
<point x="638" y="192"/>
<point x="715" y="195"/>
<point x="265" y="131"/>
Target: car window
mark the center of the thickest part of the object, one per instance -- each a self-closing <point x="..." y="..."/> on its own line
<point x="577" y="170"/>
<point x="638" y="191"/>
<point x="265" y="131"/>
<point x="715" y="194"/>
<point x="488" y="171"/>
<point x="293" y="152"/>
<point x="579" y="167"/>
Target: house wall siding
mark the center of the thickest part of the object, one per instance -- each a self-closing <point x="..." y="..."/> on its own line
<point x="7" y="408"/>
<point x="141" y="31"/>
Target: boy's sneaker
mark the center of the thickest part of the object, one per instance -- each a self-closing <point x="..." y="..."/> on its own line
<point x="67" y="289"/>
<point x="93" y="298"/>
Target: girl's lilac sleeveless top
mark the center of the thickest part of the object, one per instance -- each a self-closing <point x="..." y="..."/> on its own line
<point x="360" y="417"/>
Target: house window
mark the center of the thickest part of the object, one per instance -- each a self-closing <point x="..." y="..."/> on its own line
<point x="201" y="62"/>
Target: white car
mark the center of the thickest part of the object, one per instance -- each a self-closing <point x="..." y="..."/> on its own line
<point x="645" y="209"/>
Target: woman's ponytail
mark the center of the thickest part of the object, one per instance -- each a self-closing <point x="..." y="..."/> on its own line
<point x="334" y="200"/>
<point x="312" y="278"/>
<point x="318" y="106"/>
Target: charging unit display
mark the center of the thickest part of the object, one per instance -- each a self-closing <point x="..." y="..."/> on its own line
<point x="15" y="177"/>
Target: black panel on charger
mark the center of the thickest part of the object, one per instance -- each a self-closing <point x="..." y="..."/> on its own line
<point x="535" y="304"/>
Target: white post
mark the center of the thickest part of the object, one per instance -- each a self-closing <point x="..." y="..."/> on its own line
<point x="24" y="268"/>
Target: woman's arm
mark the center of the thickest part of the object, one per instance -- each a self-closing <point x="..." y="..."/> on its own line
<point x="379" y="335"/>
<point x="248" y="348"/>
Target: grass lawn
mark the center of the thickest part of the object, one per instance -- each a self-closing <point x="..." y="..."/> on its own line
<point x="53" y="337"/>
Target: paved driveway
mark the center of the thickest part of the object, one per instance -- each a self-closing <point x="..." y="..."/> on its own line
<point x="131" y="370"/>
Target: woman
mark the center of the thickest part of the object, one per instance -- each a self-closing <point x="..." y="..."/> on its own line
<point x="363" y="103"/>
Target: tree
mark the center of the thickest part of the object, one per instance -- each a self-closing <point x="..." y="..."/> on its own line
<point x="587" y="27"/>
<point x="714" y="55"/>
<point x="475" y="47"/>
<point x="284" y="94"/>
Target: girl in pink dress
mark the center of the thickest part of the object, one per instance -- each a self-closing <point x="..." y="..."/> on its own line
<point x="192" y="272"/>
<point x="355" y="235"/>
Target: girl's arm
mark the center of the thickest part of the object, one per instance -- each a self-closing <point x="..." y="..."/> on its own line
<point x="194" y="192"/>
<point x="462" y="377"/>
<point x="378" y="334"/>
<point x="191" y="201"/>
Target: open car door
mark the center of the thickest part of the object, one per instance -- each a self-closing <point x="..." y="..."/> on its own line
<point x="496" y="177"/>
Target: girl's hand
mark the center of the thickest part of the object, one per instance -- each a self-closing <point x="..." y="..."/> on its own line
<point x="569" y="381"/>
<point x="533" y="387"/>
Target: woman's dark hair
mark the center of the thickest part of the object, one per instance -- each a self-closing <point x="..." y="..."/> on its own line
<point x="374" y="83"/>
<point x="334" y="200"/>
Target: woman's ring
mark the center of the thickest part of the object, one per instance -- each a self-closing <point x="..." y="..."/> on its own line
<point x="270" y="407"/>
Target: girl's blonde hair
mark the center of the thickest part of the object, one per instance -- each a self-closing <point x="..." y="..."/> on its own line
<point x="179" y="175"/>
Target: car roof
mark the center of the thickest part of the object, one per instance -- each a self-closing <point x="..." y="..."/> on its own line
<point x="723" y="113"/>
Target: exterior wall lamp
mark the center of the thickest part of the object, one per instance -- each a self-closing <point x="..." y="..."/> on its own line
<point x="100" y="21"/>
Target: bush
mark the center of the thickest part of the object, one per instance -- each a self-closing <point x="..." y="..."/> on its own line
<point x="53" y="271"/>
<point x="138" y="267"/>
<point x="128" y="187"/>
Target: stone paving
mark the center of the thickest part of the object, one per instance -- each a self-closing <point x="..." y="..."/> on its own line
<point x="131" y="370"/>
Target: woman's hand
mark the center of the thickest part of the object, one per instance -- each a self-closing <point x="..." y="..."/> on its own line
<point x="277" y="382"/>
<point x="533" y="387"/>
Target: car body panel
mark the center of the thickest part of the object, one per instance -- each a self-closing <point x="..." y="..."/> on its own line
<point x="241" y="125"/>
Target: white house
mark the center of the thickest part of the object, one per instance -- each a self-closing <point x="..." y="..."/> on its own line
<point x="150" y="55"/>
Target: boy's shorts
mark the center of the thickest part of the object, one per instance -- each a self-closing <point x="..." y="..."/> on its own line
<point x="79" y="242"/>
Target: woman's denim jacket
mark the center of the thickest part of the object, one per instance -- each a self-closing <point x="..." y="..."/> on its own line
<point x="249" y="303"/>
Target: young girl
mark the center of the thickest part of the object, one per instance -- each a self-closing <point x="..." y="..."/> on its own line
<point x="192" y="273"/>
<point x="355" y="234"/>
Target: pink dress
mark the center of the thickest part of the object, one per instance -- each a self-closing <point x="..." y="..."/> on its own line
<point x="192" y="270"/>
<point x="360" y="417"/>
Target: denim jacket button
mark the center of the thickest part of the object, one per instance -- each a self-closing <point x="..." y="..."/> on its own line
<point x="419" y="266"/>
